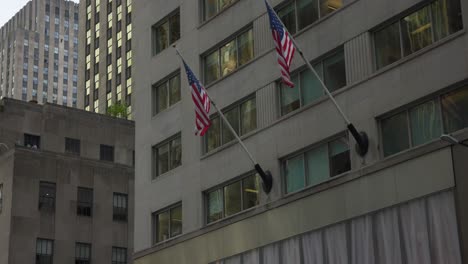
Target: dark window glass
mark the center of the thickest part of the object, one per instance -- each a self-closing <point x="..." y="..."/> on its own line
<point x="166" y="94"/>
<point x="455" y="110"/>
<point x="387" y="45"/>
<point x="167" y="224"/>
<point x="107" y="153"/>
<point x="167" y="155"/>
<point x="307" y="12"/>
<point x="395" y="134"/>
<point x="32" y="141"/>
<point x="287" y="14"/>
<point x="44" y="251"/>
<point x="212" y="7"/>
<point x="85" y="202"/>
<point x="82" y="253"/>
<point x="166" y="32"/>
<point x="120" y="207"/>
<point x="119" y="255"/>
<point x="47" y="196"/>
<point x="339" y="157"/>
<point x="72" y="146"/>
<point x="334" y="71"/>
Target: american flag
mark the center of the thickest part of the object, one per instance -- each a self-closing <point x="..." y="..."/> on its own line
<point x="284" y="46"/>
<point x="202" y="103"/>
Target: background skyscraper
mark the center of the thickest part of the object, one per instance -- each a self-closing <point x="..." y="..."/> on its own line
<point x="105" y="72"/>
<point x="39" y="53"/>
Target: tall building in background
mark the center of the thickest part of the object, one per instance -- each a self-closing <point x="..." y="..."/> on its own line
<point x="398" y="68"/>
<point x="105" y="72"/>
<point x="39" y="53"/>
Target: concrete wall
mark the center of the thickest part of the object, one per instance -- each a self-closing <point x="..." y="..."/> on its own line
<point x="64" y="226"/>
<point x="460" y="154"/>
<point x="369" y="94"/>
<point x="6" y="178"/>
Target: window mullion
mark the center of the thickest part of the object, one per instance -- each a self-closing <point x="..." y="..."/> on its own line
<point x="432" y="23"/>
<point x="169" y="151"/>
<point x="400" y="32"/>
<point x="169" y="224"/>
<point x="242" y="195"/>
<point x="441" y="114"/>
<point x="296" y="17"/>
<point x="410" y="133"/>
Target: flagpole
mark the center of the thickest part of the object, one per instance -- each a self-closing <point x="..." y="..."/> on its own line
<point x="360" y="137"/>
<point x="265" y="175"/>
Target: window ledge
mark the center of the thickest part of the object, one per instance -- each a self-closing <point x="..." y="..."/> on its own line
<point x="166" y="174"/>
<point x="216" y="15"/>
<point x="156" y="116"/>
<point x="228" y="145"/>
<point x="155" y="56"/>
<point x="169" y="240"/>
<point x="231" y="217"/>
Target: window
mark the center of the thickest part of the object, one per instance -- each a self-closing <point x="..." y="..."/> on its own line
<point x="107" y="153"/>
<point x="120" y="205"/>
<point x="47" y="196"/>
<point x="44" y="251"/>
<point x="82" y="253"/>
<point x="32" y="141"/>
<point x="166" y="93"/>
<point x="167" y="223"/>
<point x="242" y="117"/>
<point x="72" y="146"/>
<point x="317" y="164"/>
<point x="307" y="88"/>
<point x="1" y="198"/>
<point x="166" y="32"/>
<point x="417" y="30"/>
<point x="425" y="122"/>
<point x="167" y="155"/>
<point x="233" y="198"/>
<point x="84" y="202"/>
<point x="229" y="56"/>
<point x="212" y="7"/>
<point x="119" y="255"/>
<point x="297" y="14"/>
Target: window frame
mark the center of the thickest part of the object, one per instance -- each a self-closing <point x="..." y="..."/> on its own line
<point x="115" y="249"/>
<point x="219" y="11"/>
<point x="239" y="179"/>
<point x="154" y="93"/>
<point x="118" y="211"/>
<point x="154" y="28"/>
<point x="106" y="147"/>
<point x="155" y="219"/>
<point x="40" y="254"/>
<point x="41" y="198"/>
<point x="81" y="206"/>
<point x="155" y="155"/>
<point x="72" y="141"/>
<point x="217" y="48"/>
<point x="302" y="153"/>
<point x="28" y="137"/>
<point x="81" y="259"/>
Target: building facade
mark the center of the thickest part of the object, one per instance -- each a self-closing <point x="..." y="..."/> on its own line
<point x="105" y="72"/>
<point x="398" y="68"/>
<point x="39" y="53"/>
<point x="66" y="185"/>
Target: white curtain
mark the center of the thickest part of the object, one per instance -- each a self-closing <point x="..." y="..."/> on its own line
<point x="415" y="236"/>
<point x="271" y="254"/>
<point x="443" y="232"/>
<point x="362" y="241"/>
<point x="388" y="241"/>
<point x="313" y="248"/>
<point x="233" y="260"/>
<point x="251" y="257"/>
<point x="336" y="244"/>
<point x="290" y="251"/>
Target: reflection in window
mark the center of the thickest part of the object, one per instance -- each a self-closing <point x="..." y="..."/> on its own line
<point x="212" y="7"/>
<point x="167" y="223"/>
<point x="417" y="31"/>
<point x="243" y="119"/>
<point x="423" y="123"/>
<point x="233" y="198"/>
<point x="317" y="165"/>
<point x="167" y="156"/>
<point x="308" y="89"/>
<point x="227" y="58"/>
<point x="166" y="94"/>
<point x="166" y="32"/>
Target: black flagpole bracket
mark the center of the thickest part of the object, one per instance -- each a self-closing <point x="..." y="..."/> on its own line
<point x="362" y="140"/>
<point x="266" y="177"/>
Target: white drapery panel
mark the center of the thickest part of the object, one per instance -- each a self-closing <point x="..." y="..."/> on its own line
<point x="420" y="231"/>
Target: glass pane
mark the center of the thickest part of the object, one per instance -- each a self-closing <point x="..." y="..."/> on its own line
<point x="455" y="110"/>
<point x="416" y="30"/>
<point x="215" y="205"/>
<point x="310" y="85"/>
<point x="339" y="157"/>
<point x="290" y="100"/>
<point x="161" y="97"/>
<point x="329" y="6"/>
<point x="294" y="172"/>
<point x="251" y="191"/>
<point x="176" y="221"/>
<point x="335" y="71"/>
<point x="446" y="18"/>
<point x="162" y="37"/>
<point x="287" y="14"/>
<point x="317" y="165"/>
<point x="163" y="159"/>
<point x="425" y="122"/>
<point x="395" y="134"/>
<point x="211" y="8"/>
<point x="246" y="47"/>
<point x="213" y="135"/>
<point x="248" y="116"/>
<point x="174" y="90"/>
<point x="163" y="226"/>
<point x="224" y="3"/>
<point x="387" y="45"/>
<point x="176" y="153"/>
<point x="212" y="67"/>
<point x="233" y="117"/>
<point x="307" y="12"/>
<point x="175" y="27"/>
<point x="232" y="199"/>
<point x="228" y="58"/>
